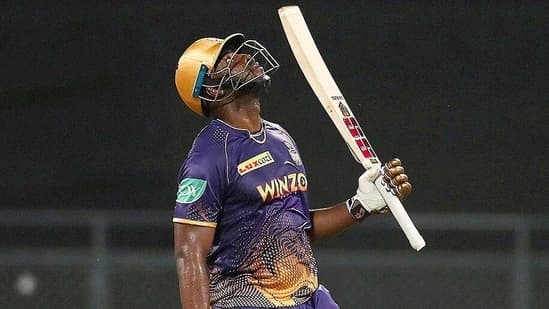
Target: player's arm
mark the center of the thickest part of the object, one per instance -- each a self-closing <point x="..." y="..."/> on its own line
<point x="329" y="221"/>
<point x="191" y="246"/>
<point x="332" y="220"/>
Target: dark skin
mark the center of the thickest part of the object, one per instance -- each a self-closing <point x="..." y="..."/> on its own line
<point x="192" y="242"/>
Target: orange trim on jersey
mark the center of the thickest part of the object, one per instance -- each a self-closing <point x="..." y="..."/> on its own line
<point x="193" y="222"/>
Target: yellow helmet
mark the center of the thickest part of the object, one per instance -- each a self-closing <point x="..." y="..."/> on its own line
<point x="197" y="62"/>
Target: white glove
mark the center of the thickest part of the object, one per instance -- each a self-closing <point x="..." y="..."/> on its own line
<point x="367" y="199"/>
<point x="367" y="193"/>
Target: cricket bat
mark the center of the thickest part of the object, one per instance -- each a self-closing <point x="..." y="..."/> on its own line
<point x="324" y="86"/>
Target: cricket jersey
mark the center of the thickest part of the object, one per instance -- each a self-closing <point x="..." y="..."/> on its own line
<point x="252" y="188"/>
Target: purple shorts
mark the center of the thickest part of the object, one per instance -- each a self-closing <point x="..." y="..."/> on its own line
<point x="321" y="299"/>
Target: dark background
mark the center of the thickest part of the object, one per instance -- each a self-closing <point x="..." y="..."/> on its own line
<point x="90" y="117"/>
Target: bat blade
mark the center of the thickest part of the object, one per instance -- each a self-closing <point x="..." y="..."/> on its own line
<point x="325" y="88"/>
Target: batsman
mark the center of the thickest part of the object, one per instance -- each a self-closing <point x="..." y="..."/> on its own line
<point x="243" y="225"/>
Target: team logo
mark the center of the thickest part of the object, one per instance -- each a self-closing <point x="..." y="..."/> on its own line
<point x="254" y="163"/>
<point x="190" y="190"/>
<point x="293" y="153"/>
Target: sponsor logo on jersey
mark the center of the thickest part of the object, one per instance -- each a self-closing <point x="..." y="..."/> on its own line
<point x="280" y="187"/>
<point x="190" y="190"/>
<point x="254" y="163"/>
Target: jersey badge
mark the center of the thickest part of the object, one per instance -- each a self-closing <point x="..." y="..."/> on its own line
<point x="190" y="190"/>
<point x="293" y="153"/>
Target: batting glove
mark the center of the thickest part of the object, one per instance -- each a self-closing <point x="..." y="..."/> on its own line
<point x="368" y="200"/>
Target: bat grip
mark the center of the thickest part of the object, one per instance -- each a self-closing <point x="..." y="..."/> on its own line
<point x="400" y="214"/>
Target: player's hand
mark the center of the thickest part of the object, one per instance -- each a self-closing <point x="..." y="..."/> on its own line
<point x="367" y="195"/>
<point x="393" y="174"/>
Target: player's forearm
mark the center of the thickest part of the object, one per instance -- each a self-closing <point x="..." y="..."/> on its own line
<point x="193" y="279"/>
<point x="330" y="221"/>
<point x="191" y="247"/>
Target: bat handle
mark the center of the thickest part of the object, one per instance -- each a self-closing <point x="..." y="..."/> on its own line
<point x="400" y="214"/>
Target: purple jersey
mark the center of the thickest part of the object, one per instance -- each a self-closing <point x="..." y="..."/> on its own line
<point x="253" y="190"/>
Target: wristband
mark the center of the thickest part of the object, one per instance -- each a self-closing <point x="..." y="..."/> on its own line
<point x="355" y="208"/>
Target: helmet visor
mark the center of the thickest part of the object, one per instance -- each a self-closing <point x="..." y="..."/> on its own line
<point x="235" y="68"/>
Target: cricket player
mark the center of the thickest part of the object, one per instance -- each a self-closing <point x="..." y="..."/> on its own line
<point x="243" y="226"/>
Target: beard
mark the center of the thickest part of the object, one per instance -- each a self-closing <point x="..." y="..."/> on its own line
<point x="258" y="87"/>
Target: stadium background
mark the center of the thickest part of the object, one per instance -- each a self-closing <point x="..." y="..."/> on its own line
<point x="93" y="130"/>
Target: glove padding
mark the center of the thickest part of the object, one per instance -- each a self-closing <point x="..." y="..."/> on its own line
<point x="393" y="175"/>
<point x="367" y="194"/>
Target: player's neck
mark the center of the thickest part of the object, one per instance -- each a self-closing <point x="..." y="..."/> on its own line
<point x="242" y="113"/>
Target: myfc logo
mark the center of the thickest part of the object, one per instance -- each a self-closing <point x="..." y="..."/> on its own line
<point x="254" y="163"/>
<point x="190" y="190"/>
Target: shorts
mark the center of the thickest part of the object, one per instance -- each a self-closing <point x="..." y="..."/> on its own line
<point x="321" y="299"/>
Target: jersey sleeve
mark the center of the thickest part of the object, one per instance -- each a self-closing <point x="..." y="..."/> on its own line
<point x="202" y="182"/>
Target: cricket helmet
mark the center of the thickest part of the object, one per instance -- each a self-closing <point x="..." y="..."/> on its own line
<point x="196" y="65"/>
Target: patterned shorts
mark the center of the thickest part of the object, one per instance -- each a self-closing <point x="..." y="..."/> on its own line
<point x="321" y="299"/>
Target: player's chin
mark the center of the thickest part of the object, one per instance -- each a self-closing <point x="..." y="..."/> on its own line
<point x="256" y="86"/>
